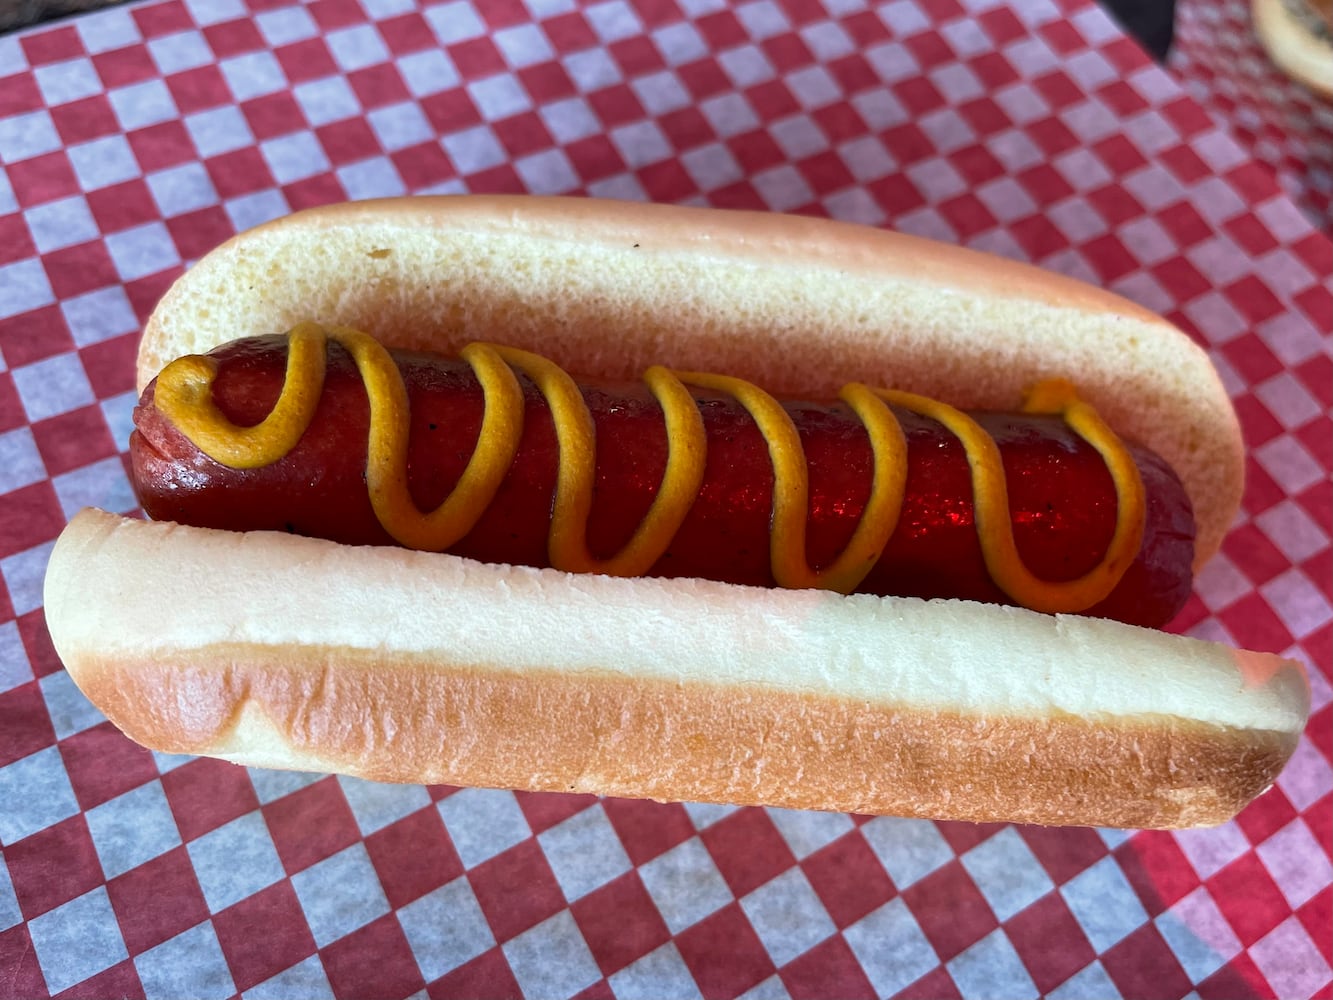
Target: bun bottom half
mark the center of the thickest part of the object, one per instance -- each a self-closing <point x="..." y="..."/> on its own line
<point x="282" y="652"/>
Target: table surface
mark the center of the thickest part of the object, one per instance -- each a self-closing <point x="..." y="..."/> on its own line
<point x="134" y="139"/>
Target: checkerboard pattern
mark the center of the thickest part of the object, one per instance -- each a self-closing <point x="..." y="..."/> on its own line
<point x="1277" y="121"/>
<point x="134" y="139"/>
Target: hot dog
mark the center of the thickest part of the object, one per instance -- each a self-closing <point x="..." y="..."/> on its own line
<point x="409" y="666"/>
<point x="911" y="481"/>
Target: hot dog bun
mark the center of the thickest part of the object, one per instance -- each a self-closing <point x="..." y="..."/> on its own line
<point x="798" y="305"/>
<point x="408" y="666"/>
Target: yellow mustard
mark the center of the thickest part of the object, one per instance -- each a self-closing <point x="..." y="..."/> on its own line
<point x="184" y="396"/>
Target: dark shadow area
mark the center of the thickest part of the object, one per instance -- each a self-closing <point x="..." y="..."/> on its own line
<point x="21" y="13"/>
<point x="1152" y="22"/>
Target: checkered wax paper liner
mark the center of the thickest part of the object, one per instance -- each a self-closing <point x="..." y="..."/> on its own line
<point x="1276" y="120"/>
<point x="134" y="139"/>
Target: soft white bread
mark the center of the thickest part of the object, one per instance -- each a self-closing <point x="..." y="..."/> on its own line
<point x="799" y="305"/>
<point x="278" y="651"/>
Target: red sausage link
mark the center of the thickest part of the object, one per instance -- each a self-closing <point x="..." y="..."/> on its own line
<point x="1061" y="496"/>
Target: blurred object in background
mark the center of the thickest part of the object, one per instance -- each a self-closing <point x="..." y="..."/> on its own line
<point x="1278" y="120"/>
<point x="1298" y="36"/>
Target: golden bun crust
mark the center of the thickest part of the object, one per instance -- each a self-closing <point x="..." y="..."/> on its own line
<point x="289" y="652"/>
<point x="799" y="305"/>
<point x="1293" y="44"/>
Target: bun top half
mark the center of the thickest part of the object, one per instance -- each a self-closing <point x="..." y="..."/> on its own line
<point x="798" y="305"/>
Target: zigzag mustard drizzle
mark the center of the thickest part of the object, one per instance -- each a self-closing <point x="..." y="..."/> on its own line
<point x="184" y="396"/>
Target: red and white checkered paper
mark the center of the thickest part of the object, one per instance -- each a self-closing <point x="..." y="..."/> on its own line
<point x="134" y="139"/>
<point x="1276" y="120"/>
